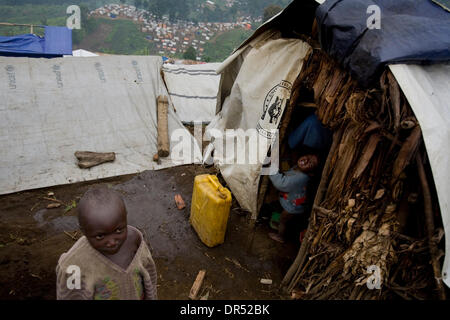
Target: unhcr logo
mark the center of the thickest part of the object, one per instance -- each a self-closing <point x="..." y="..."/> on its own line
<point x="101" y="73"/>
<point x="57" y="71"/>
<point x="273" y="107"/>
<point x="138" y="71"/>
<point x="10" y="71"/>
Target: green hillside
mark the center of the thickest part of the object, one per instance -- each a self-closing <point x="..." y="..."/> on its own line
<point x="221" y="47"/>
<point x="31" y="14"/>
<point x="115" y="37"/>
<point x="120" y="36"/>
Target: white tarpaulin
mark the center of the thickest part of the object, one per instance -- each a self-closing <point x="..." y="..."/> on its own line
<point x="255" y="88"/>
<point x="81" y="53"/>
<point x="427" y="89"/>
<point x="50" y="108"/>
<point x="193" y="90"/>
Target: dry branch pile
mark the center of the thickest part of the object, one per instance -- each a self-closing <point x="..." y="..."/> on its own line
<point x="369" y="208"/>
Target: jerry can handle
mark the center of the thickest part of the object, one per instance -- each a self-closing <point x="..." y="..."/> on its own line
<point x="218" y="187"/>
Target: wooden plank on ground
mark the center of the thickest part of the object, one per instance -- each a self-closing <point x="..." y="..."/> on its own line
<point x="197" y="284"/>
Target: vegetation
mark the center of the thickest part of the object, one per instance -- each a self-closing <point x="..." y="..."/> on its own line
<point x="190" y="54"/>
<point x="64" y="3"/>
<point x="126" y="38"/>
<point x="123" y="36"/>
<point x="88" y="26"/>
<point x="219" y="48"/>
<point x="116" y="37"/>
<point x="270" y="11"/>
<point x="46" y="12"/>
<point x="195" y="10"/>
<point x="29" y="14"/>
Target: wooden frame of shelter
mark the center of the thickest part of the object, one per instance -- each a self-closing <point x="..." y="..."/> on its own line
<point x="376" y="204"/>
<point x="8" y="24"/>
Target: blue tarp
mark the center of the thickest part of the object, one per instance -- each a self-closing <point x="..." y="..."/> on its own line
<point x="312" y="134"/>
<point x="57" y="41"/>
<point x="412" y="31"/>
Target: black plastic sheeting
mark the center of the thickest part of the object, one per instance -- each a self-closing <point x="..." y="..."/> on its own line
<point x="411" y="31"/>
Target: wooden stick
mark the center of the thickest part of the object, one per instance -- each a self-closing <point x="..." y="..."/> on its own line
<point x="197" y="284"/>
<point x="54" y="200"/>
<point x="430" y="227"/>
<point x="19" y="25"/>
<point x="71" y="236"/>
<point x="88" y="159"/>
<point x="163" y="127"/>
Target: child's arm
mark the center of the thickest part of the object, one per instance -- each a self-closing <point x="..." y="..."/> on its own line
<point x="287" y="183"/>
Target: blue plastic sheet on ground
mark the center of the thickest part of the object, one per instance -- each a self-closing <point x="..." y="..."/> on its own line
<point x="411" y="31"/>
<point x="57" y="41"/>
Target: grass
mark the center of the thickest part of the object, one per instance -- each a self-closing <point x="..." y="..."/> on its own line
<point x="222" y="46"/>
<point x="31" y="14"/>
<point x="125" y="38"/>
<point x="114" y="37"/>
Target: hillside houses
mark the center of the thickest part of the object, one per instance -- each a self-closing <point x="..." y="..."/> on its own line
<point x="171" y="38"/>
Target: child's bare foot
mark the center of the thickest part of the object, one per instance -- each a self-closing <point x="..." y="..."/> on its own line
<point x="276" y="237"/>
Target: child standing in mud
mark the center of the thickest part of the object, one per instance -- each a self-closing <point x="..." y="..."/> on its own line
<point x="111" y="261"/>
<point x="293" y="186"/>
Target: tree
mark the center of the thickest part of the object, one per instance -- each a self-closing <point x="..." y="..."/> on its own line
<point x="157" y="7"/>
<point x="138" y="3"/>
<point x="190" y="54"/>
<point x="270" y="11"/>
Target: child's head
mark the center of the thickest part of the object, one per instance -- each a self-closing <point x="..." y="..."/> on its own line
<point x="308" y="163"/>
<point x="103" y="219"/>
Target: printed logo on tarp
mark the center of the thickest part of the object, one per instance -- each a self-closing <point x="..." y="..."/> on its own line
<point x="273" y="108"/>
<point x="101" y="73"/>
<point x="10" y="71"/>
<point x="57" y="71"/>
<point x="138" y="71"/>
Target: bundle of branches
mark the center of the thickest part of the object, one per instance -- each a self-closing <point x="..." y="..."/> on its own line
<point x="371" y="233"/>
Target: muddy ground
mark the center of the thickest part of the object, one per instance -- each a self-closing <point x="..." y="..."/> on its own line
<point x="33" y="237"/>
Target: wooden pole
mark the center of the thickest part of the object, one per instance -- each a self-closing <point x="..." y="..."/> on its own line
<point x="163" y="127"/>
<point x="430" y="227"/>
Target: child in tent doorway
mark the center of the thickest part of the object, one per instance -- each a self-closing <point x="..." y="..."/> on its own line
<point x="111" y="261"/>
<point x="293" y="189"/>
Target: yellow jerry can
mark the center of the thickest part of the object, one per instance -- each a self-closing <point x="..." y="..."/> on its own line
<point x="210" y="209"/>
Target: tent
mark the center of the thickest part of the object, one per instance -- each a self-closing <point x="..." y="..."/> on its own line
<point x="81" y="53"/>
<point x="417" y="94"/>
<point x="193" y="90"/>
<point x="51" y="108"/>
